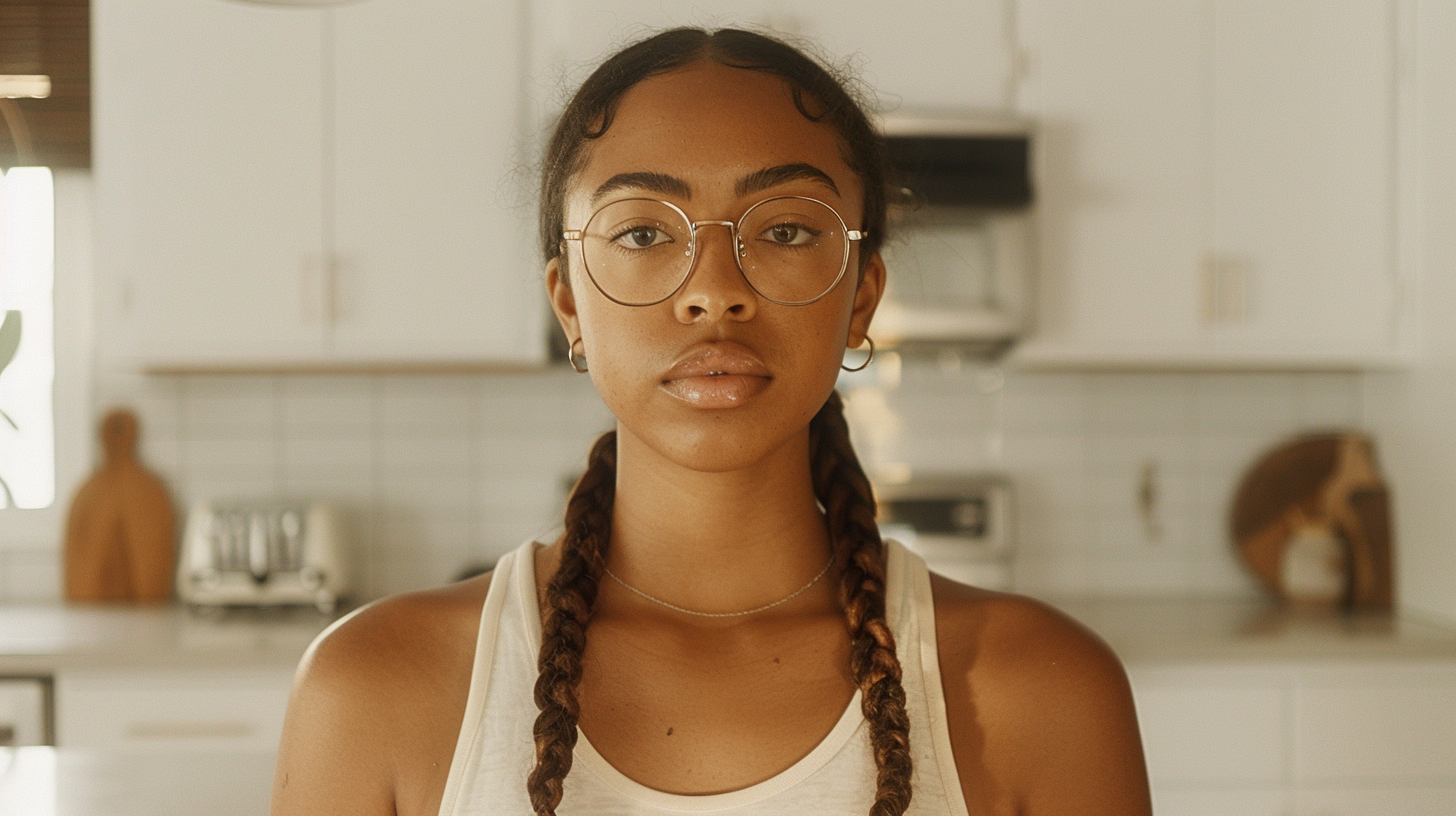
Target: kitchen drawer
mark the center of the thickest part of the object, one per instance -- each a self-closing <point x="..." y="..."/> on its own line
<point x="1377" y="801"/>
<point x="1353" y="729"/>
<point x="1211" y="733"/>
<point x="1214" y="801"/>
<point x="157" y="710"/>
<point x="24" y="711"/>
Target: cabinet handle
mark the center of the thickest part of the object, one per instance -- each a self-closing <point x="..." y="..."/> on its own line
<point x="331" y="289"/>
<point x="1226" y="284"/>
<point x="313" y="290"/>
<point x="222" y="729"/>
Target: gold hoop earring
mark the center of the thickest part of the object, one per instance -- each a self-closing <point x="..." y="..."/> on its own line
<point x="868" y="360"/>
<point x="571" y="356"/>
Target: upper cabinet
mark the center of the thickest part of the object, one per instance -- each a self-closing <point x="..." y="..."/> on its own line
<point x="208" y="145"/>
<point x="315" y="187"/>
<point x="347" y="184"/>
<point x="1216" y="182"/>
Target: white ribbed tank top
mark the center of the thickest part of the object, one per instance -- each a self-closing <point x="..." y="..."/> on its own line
<point x="495" y="751"/>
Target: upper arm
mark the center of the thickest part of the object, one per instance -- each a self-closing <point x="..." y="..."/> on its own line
<point x="377" y="705"/>
<point x="331" y="759"/>
<point x="1047" y="704"/>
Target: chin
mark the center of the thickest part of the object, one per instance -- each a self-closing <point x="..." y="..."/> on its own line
<point x="722" y="441"/>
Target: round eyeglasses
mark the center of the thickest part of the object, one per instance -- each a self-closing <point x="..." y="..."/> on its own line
<point x="640" y="251"/>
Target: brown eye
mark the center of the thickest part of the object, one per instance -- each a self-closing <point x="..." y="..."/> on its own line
<point x="789" y="234"/>
<point x="642" y="237"/>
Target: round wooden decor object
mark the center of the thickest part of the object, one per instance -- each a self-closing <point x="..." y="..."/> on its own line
<point x="1312" y="489"/>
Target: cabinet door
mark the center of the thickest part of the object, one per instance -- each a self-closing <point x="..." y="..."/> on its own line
<point x="208" y="177"/>
<point x="1216" y="182"/>
<point x="435" y="253"/>
<point x="1303" y="175"/>
<point x="169" y="710"/>
<point x="1121" y="189"/>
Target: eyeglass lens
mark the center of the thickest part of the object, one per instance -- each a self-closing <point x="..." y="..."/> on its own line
<point x="791" y="250"/>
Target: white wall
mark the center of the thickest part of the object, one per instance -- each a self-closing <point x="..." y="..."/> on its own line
<point x="1414" y="412"/>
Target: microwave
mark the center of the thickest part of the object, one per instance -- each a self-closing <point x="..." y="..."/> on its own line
<point x="961" y="249"/>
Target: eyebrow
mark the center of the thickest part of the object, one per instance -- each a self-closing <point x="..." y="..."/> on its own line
<point x="754" y="182"/>
<point x="644" y="180"/>
<point x="760" y="180"/>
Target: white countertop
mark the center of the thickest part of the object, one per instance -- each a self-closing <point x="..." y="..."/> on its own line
<point x="1163" y="630"/>
<point x="46" y="638"/>
<point x="1147" y="633"/>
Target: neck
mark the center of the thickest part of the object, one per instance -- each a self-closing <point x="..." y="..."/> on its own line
<point x="716" y="542"/>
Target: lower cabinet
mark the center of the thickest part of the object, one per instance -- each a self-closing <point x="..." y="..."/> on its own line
<point x="1346" y="739"/>
<point x="168" y="741"/>
<point x="165" y="709"/>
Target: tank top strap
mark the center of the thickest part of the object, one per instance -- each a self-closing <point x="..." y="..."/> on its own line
<point x="910" y="612"/>
<point x="502" y="585"/>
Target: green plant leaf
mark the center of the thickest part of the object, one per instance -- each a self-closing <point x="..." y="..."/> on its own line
<point x="9" y="338"/>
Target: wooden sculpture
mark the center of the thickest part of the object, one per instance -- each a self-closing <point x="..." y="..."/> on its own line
<point x="119" y="544"/>
<point x="1318" y="489"/>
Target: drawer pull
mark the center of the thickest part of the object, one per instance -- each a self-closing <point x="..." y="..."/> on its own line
<point x="190" y="730"/>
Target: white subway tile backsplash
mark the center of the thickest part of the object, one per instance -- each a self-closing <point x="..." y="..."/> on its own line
<point x="1245" y="402"/>
<point x="1140" y="405"/>
<point x="433" y="472"/>
<point x="342" y="406"/>
<point x="229" y="405"/>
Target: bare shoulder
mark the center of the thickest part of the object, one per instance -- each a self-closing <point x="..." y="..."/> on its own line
<point x="1045" y="698"/>
<point x="377" y="703"/>
<point x="398" y="636"/>
<point x="1017" y="639"/>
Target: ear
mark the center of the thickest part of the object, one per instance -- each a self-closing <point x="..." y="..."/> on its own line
<point x="866" y="299"/>
<point x="563" y="302"/>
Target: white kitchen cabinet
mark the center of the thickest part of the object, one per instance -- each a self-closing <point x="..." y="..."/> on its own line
<point x="1337" y="739"/>
<point x="954" y="54"/>
<point x="1216" y="182"/>
<point x="209" y="187"/>
<point x="170" y="710"/>
<point x="433" y="230"/>
<point x="286" y="186"/>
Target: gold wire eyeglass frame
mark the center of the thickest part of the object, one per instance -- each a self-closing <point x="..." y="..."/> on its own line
<point x="733" y="233"/>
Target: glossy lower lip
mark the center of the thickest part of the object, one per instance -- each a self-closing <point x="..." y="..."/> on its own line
<point x="720" y="391"/>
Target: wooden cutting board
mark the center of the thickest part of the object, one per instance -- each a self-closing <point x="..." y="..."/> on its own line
<point x="119" y="538"/>
<point x="1329" y="484"/>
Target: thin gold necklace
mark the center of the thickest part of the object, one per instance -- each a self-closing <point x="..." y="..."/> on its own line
<point x="796" y="593"/>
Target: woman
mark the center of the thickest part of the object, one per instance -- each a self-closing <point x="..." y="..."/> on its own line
<point x="720" y="628"/>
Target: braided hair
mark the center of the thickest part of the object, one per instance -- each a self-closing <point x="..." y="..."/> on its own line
<point x="839" y="481"/>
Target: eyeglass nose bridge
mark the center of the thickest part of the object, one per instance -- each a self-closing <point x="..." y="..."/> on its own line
<point x="732" y="235"/>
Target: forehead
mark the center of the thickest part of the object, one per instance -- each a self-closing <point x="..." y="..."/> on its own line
<point x="710" y="125"/>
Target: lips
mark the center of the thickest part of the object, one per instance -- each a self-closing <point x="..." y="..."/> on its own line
<point x="717" y="375"/>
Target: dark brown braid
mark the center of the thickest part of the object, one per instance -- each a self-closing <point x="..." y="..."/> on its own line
<point x="849" y="507"/>
<point x="569" y="599"/>
<point x="841" y="486"/>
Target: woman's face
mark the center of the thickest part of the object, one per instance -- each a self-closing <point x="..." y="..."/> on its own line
<point x="715" y="377"/>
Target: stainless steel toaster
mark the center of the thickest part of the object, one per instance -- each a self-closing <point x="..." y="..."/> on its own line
<point x="263" y="554"/>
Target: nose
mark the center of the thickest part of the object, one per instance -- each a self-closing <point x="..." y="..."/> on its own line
<point x="715" y="289"/>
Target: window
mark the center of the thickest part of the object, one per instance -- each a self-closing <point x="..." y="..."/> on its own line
<point x="27" y="352"/>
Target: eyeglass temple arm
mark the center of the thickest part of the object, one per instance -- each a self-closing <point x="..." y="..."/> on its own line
<point x="571" y="235"/>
